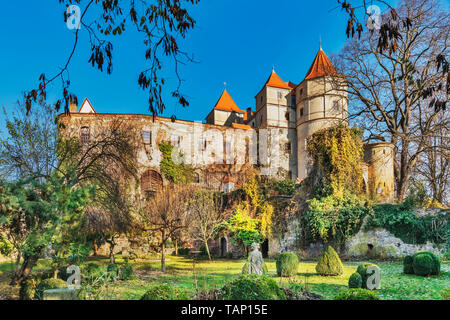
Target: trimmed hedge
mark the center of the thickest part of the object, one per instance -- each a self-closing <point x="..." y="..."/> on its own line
<point x="362" y="270"/>
<point x="426" y="263"/>
<point x="408" y="265"/>
<point x="48" y="284"/>
<point x="355" y="280"/>
<point x="329" y="263"/>
<point x="287" y="264"/>
<point x="252" y="287"/>
<point x="357" y="294"/>
<point x="164" y="292"/>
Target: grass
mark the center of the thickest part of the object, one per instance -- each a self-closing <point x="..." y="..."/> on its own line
<point x="214" y="274"/>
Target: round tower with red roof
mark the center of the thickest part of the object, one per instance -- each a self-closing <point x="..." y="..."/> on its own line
<point x="321" y="102"/>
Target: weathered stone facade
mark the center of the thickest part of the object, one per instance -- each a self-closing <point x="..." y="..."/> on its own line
<point x="273" y="137"/>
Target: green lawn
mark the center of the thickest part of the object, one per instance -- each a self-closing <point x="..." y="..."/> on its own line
<point x="213" y="274"/>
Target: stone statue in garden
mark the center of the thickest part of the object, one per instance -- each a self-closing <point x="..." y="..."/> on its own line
<point x="255" y="260"/>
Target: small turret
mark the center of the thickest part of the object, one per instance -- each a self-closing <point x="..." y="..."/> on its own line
<point x="380" y="158"/>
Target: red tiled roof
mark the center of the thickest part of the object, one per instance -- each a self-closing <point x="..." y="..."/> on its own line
<point x="228" y="179"/>
<point x="227" y="103"/>
<point x="275" y="81"/>
<point x="320" y="67"/>
<point x="240" y="126"/>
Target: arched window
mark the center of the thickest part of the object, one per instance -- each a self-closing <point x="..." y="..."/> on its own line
<point x="85" y="134"/>
<point x="151" y="181"/>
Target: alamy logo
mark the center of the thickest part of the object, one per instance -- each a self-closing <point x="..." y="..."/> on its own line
<point x="74" y="280"/>
<point x="73" y="17"/>
<point x="373" y="281"/>
<point x="374" y="17"/>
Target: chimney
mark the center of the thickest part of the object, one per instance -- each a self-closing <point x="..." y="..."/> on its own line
<point x="249" y="113"/>
<point x="73" y="107"/>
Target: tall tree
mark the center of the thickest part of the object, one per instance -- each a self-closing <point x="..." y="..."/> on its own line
<point x="164" y="214"/>
<point x="205" y="212"/>
<point x="399" y="93"/>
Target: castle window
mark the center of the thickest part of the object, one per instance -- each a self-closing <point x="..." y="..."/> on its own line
<point x="301" y="112"/>
<point x="85" y="134"/>
<point x="301" y="92"/>
<point x="287" y="116"/>
<point x="201" y="144"/>
<point x="293" y="100"/>
<point x="147" y="137"/>
<point x="279" y="94"/>
<point x="151" y="181"/>
<point x="336" y="105"/>
<point x="287" y="147"/>
<point x="175" y="140"/>
<point x="196" y="178"/>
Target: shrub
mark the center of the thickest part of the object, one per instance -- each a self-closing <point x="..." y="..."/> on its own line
<point x="362" y="270"/>
<point x="91" y="269"/>
<point x="445" y="294"/>
<point x="183" y="251"/>
<point x="329" y="263"/>
<point x="113" y="268"/>
<point x="27" y="288"/>
<point x="287" y="264"/>
<point x="126" y="271"/>
<point x="164" y="292"/>
<point x="48" y="284"/>
<point x="245" y="268"/>
<point x="426" y="263"/>
<point x="355" y="280"/>
<point x="408" y="265"/>
<point x="357" y="294"/>
<point x="252" y="287"/>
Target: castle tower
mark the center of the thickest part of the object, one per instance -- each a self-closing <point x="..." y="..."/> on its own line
<point x="321" y="102"/>
<point x="380" y="158"/>
<point x="275" y="116"/>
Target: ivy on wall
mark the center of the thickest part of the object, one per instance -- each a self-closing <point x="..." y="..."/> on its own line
<point x="173" y="171"/>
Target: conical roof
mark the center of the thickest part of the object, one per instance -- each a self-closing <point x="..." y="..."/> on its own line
<point x="227" y="103"/>
<point x="321" y="66"/>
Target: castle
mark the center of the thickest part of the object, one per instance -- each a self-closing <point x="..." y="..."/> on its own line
<point x="274" y="135"/>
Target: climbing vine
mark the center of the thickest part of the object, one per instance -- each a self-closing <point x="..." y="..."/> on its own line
<point x="175" y="172"/>
<point x="252" y="219"/>
<point x="337" y="205"/>
<point x="337" y="154"/>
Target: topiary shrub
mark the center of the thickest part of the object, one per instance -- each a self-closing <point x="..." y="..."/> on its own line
<point x="164" y="292"/>
<point x="408" y="265"/>
<point x="252" y="287"/>
<point x="362" y="270"/>
<point x="48" y="284"/>
<point x="426" y="263"/>
<point x="245" y="268"/>
<point x="329" y="263"/>
<point x="126" y="271"/>
<point x="355" y="280"/>
<point x="357" y="294"/>
<point x="287" y="264"/>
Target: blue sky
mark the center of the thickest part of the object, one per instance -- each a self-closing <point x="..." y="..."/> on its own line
<point x="236" y="42"/>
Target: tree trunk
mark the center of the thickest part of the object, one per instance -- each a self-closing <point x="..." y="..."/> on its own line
<point x="112" y="244"/>
<point x="95" y="247"/>
<point x="207" y="249"/>
<point x="26" y="268"/>
<point x="176" y="247"/>
<point x="163" y="256"/>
